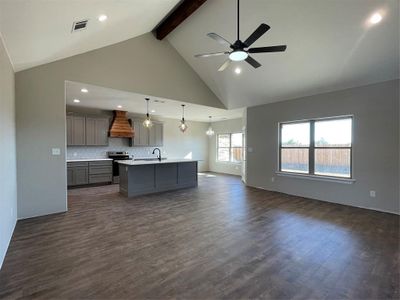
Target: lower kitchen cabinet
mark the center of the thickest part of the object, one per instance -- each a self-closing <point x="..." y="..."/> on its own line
<point x="89" y="172"/>
<point x="77" y="173"/>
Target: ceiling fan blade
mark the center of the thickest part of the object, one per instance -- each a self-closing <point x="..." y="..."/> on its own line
<point x="218" y="38"/>
<point x="211" y="54"/>
<point x="225" y="65"/>
<point x="279" y="48"/>
<point x="253" y="62"/>
<point x="263" y="28"/>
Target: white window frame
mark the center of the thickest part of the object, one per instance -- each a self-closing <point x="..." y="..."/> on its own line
<point x="311" y="147"/>
<point x="230" y="148"/>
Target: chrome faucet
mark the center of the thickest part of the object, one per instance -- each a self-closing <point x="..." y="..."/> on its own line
<point x="159" y="153"/>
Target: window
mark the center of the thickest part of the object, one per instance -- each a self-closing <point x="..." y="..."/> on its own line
<point x="230" y="147"/>
<point x="317" y="147"/>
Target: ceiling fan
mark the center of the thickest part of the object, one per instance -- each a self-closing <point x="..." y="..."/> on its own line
<point x="240" y="50"/>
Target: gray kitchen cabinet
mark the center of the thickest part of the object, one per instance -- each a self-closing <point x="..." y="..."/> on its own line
<point x="77" y="173"/>
<point x="141" y="134"/>
<point x="148" y="137"/>
<point x="97" y="131"/>
<point x="88" y="172"/>
<point x="156" y="135"/>
<point x="76" y="131"/>
<point x="100" y="171"/>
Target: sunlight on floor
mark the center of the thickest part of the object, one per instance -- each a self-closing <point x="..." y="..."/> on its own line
<point x="206" y="175"/>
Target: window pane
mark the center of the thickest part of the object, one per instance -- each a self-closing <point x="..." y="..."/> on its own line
<point x="295" y="135"/>
<point x="223" y="140"/>
<point x="332" y="162"/>
<point x="237" y="140"/>
<point x="333" y="133"/>
<point x="294" y="160"/>
<point x="236" y="154"/>
<point x="223" y="154"/>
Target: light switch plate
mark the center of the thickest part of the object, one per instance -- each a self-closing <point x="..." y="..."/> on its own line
<point x="55" y="151"/>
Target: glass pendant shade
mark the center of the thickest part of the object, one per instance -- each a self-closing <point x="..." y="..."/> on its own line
<point x="183" y="126"/>
<point x="210" y="131"/>
<point x="147" y="123"/>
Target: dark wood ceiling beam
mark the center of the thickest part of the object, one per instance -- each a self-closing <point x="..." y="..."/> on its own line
<point x="178" y="15"/>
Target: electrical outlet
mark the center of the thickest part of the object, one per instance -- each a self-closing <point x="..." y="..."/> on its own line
<point x="372" y="194"/>
<point x="250" y="149"/>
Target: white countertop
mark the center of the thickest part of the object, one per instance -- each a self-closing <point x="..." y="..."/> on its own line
<point x="87" y="159"/>
<point x="153" y="162"/>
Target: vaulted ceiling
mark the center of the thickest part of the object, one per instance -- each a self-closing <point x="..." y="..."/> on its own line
<point x="39" y="31"/>
<point x="330" y="46"/>
<point x="330" y="43"/>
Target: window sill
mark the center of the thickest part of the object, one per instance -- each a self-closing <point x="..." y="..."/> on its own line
<point x="318" y="178"/>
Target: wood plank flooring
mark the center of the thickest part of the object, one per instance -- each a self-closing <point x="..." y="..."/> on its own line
<point x="221" y="240"/>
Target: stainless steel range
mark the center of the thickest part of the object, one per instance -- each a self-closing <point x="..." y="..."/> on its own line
<point x="117" y="155"/>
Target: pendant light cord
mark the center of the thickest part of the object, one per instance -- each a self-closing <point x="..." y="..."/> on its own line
<point x="183" y="112"/>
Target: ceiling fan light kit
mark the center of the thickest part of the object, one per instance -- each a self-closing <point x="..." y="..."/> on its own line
<point x="240" y="50"/>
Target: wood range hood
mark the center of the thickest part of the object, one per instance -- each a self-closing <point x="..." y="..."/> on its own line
<point x="120" y="126"/>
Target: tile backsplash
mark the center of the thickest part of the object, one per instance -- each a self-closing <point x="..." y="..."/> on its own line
<point x="115" y="144"/>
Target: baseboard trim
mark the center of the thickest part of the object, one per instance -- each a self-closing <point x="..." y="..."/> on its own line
<point x="3" y="256"/>
<point x="362" y="207"/>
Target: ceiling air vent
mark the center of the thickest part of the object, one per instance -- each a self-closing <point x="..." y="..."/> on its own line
<point x="79" y="25"/>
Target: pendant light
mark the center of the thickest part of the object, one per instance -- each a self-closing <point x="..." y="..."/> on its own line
<point x="147" y="123"/>
<point x="183" y="126"/>
<point x="210" y="131"/>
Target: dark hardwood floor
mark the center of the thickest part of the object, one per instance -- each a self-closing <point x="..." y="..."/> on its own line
<point x="220" y="240"/>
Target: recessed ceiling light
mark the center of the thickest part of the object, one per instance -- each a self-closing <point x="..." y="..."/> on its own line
<point x="238" y="70"/>
<point x="102" y="18"/>
<point x="153" y="111"/>
<point x="84" y="90"/>
<point x="119" y="106"/>
<point x="375" y="18"/>
<point x="77" y="100"/>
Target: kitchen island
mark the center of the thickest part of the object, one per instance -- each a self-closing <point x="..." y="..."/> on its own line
<point x="139" y="177"/>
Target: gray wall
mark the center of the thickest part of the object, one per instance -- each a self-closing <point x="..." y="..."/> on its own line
<point x="375" y="150"/>
<point x="8" y="178"/>
<point x="228" y="126"/>
<point x="192" y="144"/>
<point x="141" y="65"/>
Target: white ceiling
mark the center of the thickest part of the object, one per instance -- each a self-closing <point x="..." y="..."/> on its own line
<point x="331" y="46"/>
<point x="39" y="31"/>
<point x="109" y="99"/>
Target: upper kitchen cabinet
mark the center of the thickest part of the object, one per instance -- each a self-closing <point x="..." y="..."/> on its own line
<point x="76" y="131"/>
<point x="87" y="131"/>
<point x="97" y="131"/>
<point x="156" y="135"/>
<point x="148" y="137"/>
